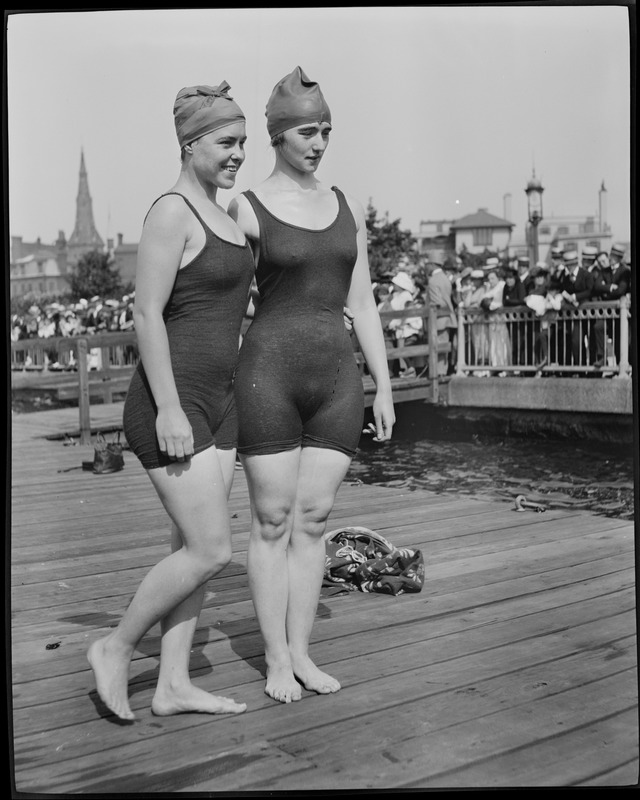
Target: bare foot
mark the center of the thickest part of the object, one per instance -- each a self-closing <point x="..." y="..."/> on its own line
<point x="111" y="673"/>
<point x="191" y="699"/>
<point x="282" y="685"/>
<point x="312" y="678"/>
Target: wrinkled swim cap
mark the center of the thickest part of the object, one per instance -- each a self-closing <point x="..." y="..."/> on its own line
<point x="201" y="109"/>
<point x="295" y="100"/>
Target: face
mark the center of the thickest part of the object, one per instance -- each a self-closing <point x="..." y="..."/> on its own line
<point x="217" y="156"/>
<point x="603" y="260"/>
<point x="304" y="146"/>
<point x="493" y="279"/>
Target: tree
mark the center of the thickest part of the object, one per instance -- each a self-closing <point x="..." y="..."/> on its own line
<point x="389" y="246"/>
<point x="95" y="274"/>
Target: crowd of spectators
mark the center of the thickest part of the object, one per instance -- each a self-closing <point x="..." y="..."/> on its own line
<point x="56" y="319"/>
<point x="568" y="281"/>
<point x="72" y="319"/>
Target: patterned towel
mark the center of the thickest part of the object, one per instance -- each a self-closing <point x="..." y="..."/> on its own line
<point x="360" y="559"/>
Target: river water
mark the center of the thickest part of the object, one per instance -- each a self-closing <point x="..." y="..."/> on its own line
<point x="557" y="473"/>
<point x="451" y="457"/>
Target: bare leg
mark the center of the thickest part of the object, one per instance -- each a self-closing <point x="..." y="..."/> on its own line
<point x="272" y="484"/>
<point x="194" y="495"/>
<point x="175" y="693"/>
<point x="292" y="494"/>
<point x="319" y="478"/>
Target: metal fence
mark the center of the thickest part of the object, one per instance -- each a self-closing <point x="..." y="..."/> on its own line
<point x="590" y="339"/>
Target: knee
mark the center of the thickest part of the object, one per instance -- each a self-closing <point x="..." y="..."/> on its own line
<point x="212" y="560"/>
<point x="272" y="524"/>
<point x="312" y="518"/>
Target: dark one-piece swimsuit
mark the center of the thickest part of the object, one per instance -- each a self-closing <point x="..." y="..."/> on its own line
<point x="297" y="382"/>
<point x="203" y="317"/>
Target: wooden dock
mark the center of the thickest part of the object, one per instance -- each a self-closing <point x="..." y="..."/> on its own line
<point x="516" y="666"/>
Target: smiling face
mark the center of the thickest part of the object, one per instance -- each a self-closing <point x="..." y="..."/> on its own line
<point x="304" y="146"/>
<point x="216" y="157"/>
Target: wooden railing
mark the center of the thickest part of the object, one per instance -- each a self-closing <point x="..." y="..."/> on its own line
<point x="99" y="366"/>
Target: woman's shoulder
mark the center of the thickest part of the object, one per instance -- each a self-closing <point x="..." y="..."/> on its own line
<point x="356" y="207"/>
<point x="242" y="213"/>
<point x="170" y="208"/>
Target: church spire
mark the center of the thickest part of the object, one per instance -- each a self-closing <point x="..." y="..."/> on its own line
<point x="85" y="237"/>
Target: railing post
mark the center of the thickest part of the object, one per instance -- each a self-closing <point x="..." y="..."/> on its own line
<point x="432" y="320"/>
<point x="84" y="405"/>
<point x="460" y="362"/>
<point x="623" y="366"/>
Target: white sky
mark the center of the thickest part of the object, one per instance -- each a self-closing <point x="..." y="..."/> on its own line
<point x="436" y="111"/>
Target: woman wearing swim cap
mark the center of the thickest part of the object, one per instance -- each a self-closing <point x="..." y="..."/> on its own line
<point x="193" y="276"/>
<point x="298" y="389"/>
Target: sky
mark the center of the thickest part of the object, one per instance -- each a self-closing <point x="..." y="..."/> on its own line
<point x="436" y="111"/>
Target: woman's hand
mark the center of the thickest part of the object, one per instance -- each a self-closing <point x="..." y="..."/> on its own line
<point x="384" y="416"/>
<point x="348" y="318"/>
<point x="174" y="433"/>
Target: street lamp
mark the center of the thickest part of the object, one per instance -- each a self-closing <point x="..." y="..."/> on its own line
<point x="534" y="207"/>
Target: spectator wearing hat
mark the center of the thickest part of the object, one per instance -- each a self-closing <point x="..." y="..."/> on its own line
<point x="556" y="268"/>
<point x="589" y="255"/>
<point x="407" y="331"/>
<point x="479" y="340"/>
<point x="513" y="296"/>
<point x="577" y="288"/>
<point x="499" y="340"/>
<point x="526" y="279"/>
<point x="440" y="296"/>
<point x="612" y="281"/>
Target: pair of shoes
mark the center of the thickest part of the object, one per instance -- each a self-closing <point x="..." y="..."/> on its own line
<point x="408" y="373"/>
<point x="598" y="363"/>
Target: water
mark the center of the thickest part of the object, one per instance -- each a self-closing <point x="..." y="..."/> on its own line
<point x="598" y="477"/>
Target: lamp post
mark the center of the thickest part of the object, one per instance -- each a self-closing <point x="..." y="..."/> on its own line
<point x="534" y="208"/>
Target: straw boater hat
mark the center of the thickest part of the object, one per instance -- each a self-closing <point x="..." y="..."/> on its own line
<point x="570" y="257"/>
<point x="477" y="274"/>
<point x="618" y="250"/>
<point x="492" y="263"/>
<point x="589" y="252"/>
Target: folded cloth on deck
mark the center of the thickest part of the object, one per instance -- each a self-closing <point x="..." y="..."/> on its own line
<point x="361" y="559"/>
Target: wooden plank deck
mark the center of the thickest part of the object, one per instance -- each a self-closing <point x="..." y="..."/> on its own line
<point x="515" y="666"/>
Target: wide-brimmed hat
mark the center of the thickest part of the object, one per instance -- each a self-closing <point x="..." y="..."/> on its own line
<point x="403" y="281"/>
<point x="570" y="257"/>
<point x="477" y="274"/>
<point x="589" y="252"/>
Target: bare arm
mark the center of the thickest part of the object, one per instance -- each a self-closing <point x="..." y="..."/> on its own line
<point x="162" y="245"/>
<point x="368" y="329"/>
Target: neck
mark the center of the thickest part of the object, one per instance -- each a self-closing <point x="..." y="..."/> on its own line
<point x="290" y="179"/>
<point x="189" y="183"/>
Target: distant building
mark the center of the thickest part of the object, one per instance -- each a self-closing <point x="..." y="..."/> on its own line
<point x="570" y="232"/>
<point x="476" y="233"/>
<point x="42" y="269"/>
<point x="483" y="231"/>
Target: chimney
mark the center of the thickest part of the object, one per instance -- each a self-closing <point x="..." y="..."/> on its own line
<point x="602" y="208"/>
<point x="506" y="200"/>
<point x="120" y="240"/>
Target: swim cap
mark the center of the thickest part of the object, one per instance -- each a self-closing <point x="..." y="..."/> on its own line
<point x="295" y="100"/>
<point x="201" y="109"/>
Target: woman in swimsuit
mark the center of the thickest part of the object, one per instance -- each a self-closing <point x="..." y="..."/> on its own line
<point x="297" y="386"/>
<point x="193" y="277"/>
